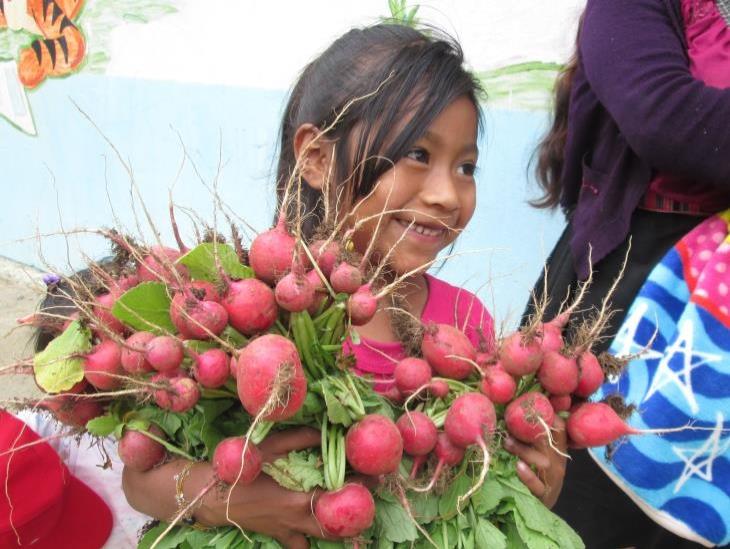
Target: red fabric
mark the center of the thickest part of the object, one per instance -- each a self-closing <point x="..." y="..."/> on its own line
<point x="42" y="504"/>
<point x="446" y="304"/>
<point x="708" y="41"/>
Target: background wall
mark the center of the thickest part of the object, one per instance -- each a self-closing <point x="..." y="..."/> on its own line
<point x="212" y="76"/>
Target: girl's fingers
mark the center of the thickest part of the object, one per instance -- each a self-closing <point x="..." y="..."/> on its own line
<point x="529" y="479"/>
<point x="295" y="541"/>
<point x="529" y="454"/>
<point x="281" y="443"/>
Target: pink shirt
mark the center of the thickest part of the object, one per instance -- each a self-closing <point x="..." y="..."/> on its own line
<point x="708" y="42"/>
<point x="446" y="304"/>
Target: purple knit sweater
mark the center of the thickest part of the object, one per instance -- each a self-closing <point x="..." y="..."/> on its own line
<point x="635" y="109"/>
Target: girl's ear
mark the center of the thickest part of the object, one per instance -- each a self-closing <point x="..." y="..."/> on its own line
<point x="314" y="155"/>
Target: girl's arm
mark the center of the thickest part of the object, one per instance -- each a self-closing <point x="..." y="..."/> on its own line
<point x="262" y="506"/>
<point x="638" y="68"/>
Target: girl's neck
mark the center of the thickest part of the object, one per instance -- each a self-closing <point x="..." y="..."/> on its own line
<point x="413" y="294"/>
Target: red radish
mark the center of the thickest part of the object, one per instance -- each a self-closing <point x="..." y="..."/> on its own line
<point x="470" y="420"/>
<point x="393" y="394"/>
<point x="411" y="374"/>
<point x="73" y="410"/>
<point x="294" y="292"/>
<point x="561" y="403"/>
<point x="104" y="316"/>
<point x="320" y="294"/>
<point x="362" y="305"/>
<point x="270" y="378"/>
<point x="181" y="394"/>
<point x="212" y="368"/>
<point x="529" y="416"/>
<point x="325" y="255"/>
<point x="158" y="264"/>
<point x="345" y="278"/>
<point x="551" y="337"/>
<point x="484" y="360"/>
<point x="418" y="432"/>
<point x="127" y="282"/>
<point x="447" y="454"/>
<point x="374" y="446"/>
<point x="519" y="356"/>
<point x="138" y="451"/>
<point x="103" y="366"/>
<point x="272" y="252"/>
<point x="77" y="412"/>
<point x="202" y="290"/>
<point x="133" y="359"/>
<point x="345" y="512"/>
<point x="497" y="384"/>
<point x="558" y="374"/>
<point x="591" y="375"/>
<point x="595" y="424"/>
<point x="251" y="306"/>
<point x="232" y="465"/>
<point x="448" y="351"/>
<point x="189" y="318"/>
<point x="439" y="388"/>
<point x="202" y="320"/>
<point x="164" y="353"/>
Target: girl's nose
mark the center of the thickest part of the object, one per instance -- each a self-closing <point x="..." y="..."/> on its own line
<point x="440" y="190"/>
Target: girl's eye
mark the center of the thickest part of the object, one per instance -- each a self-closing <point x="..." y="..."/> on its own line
<point x="468" y="169"/>
<point x="419" y="155"/>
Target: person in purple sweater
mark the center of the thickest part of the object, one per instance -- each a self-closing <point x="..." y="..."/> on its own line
<point x="639" y="149"/>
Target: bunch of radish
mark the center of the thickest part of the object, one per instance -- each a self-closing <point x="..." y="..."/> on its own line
<point x="162" y="332"/>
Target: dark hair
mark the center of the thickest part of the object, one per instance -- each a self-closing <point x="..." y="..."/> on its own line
<point x="396" y="74"/>
<point x="551" y="149"/>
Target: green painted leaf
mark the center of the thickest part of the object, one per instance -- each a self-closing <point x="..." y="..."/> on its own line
<point x="532" y="538"/>
<point x="145" y="307"/>
<point x="488" y="535"/>
<point x="299" y="471"/>
<point x="393" y="522"/>
<point x="336" y="412"/>
<point x="201" y="262"/>
<point x="488" y="496"/>
<point x="102" y="426"/>
<point x="540" y="519"/>
<point x="58" y="367"/>
<point x="447" y="504"/>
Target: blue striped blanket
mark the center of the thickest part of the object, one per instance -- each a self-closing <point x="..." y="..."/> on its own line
<point x="680" y="479"/>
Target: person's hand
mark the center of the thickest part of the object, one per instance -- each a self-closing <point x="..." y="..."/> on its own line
<point x="262" y="506"/>
<point x="546" y="480"/>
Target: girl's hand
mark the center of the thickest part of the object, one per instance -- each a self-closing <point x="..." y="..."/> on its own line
<point x="262" y="506"/>
<point x="546" y="480"/>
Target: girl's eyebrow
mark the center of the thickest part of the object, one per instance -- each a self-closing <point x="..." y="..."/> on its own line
<point x="428" y="135"/>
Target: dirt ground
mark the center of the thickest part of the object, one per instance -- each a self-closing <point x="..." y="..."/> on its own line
<point x="21" y="289"/>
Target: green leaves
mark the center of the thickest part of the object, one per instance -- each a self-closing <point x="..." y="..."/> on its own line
<point x="204" y="260"/>
<point x="299" y="471"/>
<point x="60" y="365"/>
<point x="393" y="523"/>
<point x="145" y="307"/>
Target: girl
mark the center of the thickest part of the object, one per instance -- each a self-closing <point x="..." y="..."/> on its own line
<point x="639" y="146"/>
<point x="397" y="161"/>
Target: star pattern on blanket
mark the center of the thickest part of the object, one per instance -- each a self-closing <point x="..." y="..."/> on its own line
<point x="699" y="461"/>
<point x="626" y="337"/>
<point x="683" y="346"/>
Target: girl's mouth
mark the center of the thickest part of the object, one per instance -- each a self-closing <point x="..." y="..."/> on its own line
<point x="423" y="230"/>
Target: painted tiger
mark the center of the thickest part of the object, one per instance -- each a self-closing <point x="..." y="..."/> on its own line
<point x="62" y="46"/>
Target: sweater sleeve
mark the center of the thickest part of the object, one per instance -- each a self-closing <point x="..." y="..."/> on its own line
<point x="637" y="66"/>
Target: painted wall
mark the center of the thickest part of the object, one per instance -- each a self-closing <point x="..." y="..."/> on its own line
<point x="212" y="76"/>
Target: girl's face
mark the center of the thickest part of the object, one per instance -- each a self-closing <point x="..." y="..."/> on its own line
<point x="434" y="187"/>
